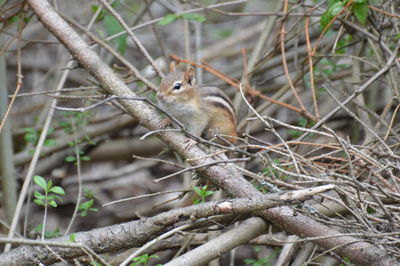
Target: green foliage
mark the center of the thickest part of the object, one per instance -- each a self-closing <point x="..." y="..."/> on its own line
<point x="359" y="9"/>
<point x="328" y="67"/>
<point x="50" y="192"/>
<point x="85" y="207"/>
<point x="31" y="136"/>
<point x="269" y="171"/>
<point x="112" y="27"/>
<point x="345" y="259"/>
<point x="79" y="119"/>
<point x="258" y="262"/>
<point x="302" y="122"/>
<point x="342" y="43"/>
<point x="168" y="19"/>
<point x="203" y="193"/>
<point x="142" y="260"/>
<point x="89" y="194"/>
<point x="48" y="234"/>
<point x="72" y="238"/>
<point x="222" y="33"/>
<point x="75" y="121"/>
<point x="72" y="158"/>
<point x="262" y="261"/>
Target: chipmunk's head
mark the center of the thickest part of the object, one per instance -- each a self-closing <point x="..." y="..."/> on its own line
<point x="178" y="87"/>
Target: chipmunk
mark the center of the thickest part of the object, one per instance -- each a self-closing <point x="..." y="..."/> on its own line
<point x="201" y="109"/>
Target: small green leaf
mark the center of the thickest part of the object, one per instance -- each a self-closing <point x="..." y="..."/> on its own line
<point x="294" y="133"/>
<point x="72" y="237"/>
<point x="302" y="122"/>
<point x="325" y="19"/>
<point x="197" y="190"/>
<point x="330" y="13"/>
<point x="361" y="12"/>
<point x="52" y="203"/>
<point x="54" y="197"/>
<point x="100" y="17"/>
<point x="40" y="181"/>
<point x="49" y="185"/>
<point x="194" y="16"/>
<point x="335" y="8"/>
<point x="70" y="159"/>
<point x="86" y="205"/>
<point x="39" y="195"/>
<point x="168" y="19"/>
<point x="38" y="202"/>
<point x="14" y="19"/>
<point x="31" y="135"/>
<point x="112" y="26"/>
<point x="57" y="190"/>
<point x="209" y="193"/>
<point x="85" y="158"/>
<point x="50" y="142"/>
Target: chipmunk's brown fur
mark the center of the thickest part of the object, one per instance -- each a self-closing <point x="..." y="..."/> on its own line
<point x="201" y="109"/>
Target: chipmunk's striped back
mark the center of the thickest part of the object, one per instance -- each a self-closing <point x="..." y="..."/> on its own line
<point x="220" y="110"/>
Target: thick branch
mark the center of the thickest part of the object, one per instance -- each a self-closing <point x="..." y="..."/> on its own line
<point x="137" y="233"/>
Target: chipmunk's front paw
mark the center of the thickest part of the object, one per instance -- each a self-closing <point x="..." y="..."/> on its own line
<point x="164" y="123"/>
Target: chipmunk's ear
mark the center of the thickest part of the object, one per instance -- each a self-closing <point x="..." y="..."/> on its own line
<point x="189" y="75"/>
<point x="172" y="67"/>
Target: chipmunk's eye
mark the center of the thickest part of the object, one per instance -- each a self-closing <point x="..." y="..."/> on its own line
<point x="177" y="86"/>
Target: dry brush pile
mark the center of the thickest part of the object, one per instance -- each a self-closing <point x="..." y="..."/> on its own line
<point x="313" y="178"/>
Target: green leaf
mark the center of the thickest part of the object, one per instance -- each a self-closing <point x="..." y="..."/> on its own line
<point x="209" y="193"/>
<point x="330" y="13"/>
<point x="103" y="12"/>
<point x="197" y="190"/>
<point x="85" y="158"/>
<point x="54" y="197"/>
<point x="31" y="135"/>
<point x="86" y="205"/>
<point x="302" y="122"/>
<point x="325" y="19"/>
<point x="335" y="8"/>
<point x="52" y="203"/>
<point x="49" y="185"/>
<point x="40" y="181"/>
<point x="72" y="237"/>
<point x="70" y="159"/>
<point x="58" y="190"/>
<point x="294" y="133"/>
<point x="361" y="12"/>
<point x="194" y="16"/>
<point x="168" y="19"/>
<point x="196" y="201"/>
<point x="50" y="142"/>
<point x="38" y="202"/>
<point x="112" y="26"/>
<point x="39" y="195"/>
